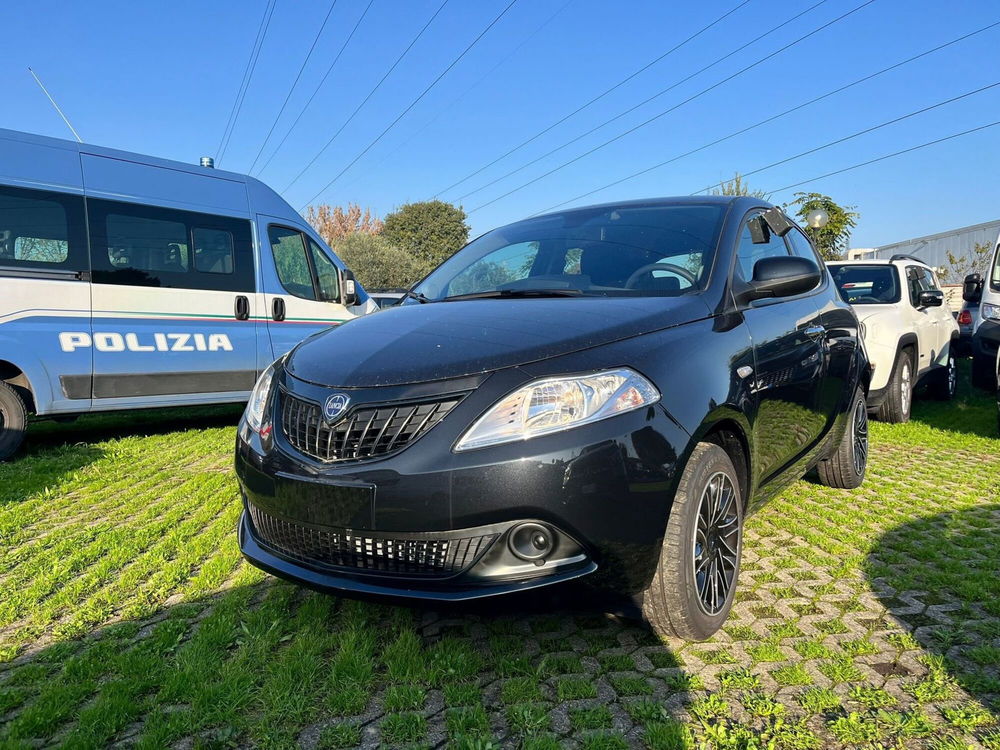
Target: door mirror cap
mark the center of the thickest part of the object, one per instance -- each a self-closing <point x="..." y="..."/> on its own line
<point x="930" y="298"/>
<point x="350" y="288"/>
<point x="782" y="276"/>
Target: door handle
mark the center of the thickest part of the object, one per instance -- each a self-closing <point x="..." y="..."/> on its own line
<point x="242" y="308"/>
<point x="278" y="309"/>
<point x="814" y="331"/>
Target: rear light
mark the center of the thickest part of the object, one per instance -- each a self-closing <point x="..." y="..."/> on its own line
<point x="964" y="318"/>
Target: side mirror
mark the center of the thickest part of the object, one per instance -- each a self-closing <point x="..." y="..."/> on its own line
<point x="930" y="298"/>
<point x="782" y="276"/>
<point x="350" y="295"/>
<point x="972" y="288"/>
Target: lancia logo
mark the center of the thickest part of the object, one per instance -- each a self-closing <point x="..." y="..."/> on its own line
<point x="335" y="407"/>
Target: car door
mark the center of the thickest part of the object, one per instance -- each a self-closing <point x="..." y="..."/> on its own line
<point x="926" y="323"/>
<point x="789" y="363"/>
<point x="173" y="306"/>
<point x="302" y="289"/>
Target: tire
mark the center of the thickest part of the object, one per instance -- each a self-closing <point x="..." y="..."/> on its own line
<point x="945" y="383"/>
<point x="983" y="373"/>
<point x="13" y="420"/>
<point x="899" y="398"/>
<point x="845" y="468"/>
<point x="680" y="600"/>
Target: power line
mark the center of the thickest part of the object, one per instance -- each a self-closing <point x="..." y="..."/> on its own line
<point x="889" y="156"/>
<point x="640" y="104"/>
<point x="370" y="94"/>
<point x="241" y="93"/>
<point x="441" y="110"/>
<point x="294" y="84"/>
<point x="604" y="93"/>
<point x="676" y="106"/>
<point x="414" y="102"/>
<point x="772" y="118"/>
<point x="319" y="85"/>
<point x="55" y="106"/>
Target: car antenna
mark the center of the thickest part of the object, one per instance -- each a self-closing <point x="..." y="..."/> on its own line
<point x="46" y="92"/>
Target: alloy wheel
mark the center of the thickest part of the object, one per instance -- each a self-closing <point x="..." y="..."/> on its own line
<point x="905" y="388"/>
<point x="716" y="543"/>
<point x="952" y="375"/>
<point x="860" y="437"/>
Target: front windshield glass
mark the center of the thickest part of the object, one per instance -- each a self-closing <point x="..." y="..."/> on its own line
<point x="995" y="274"/>
<point x="866" y="285"/>
<point x="614" y="252"/>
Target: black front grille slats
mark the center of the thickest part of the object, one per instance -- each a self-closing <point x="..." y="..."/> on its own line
<point x="360" y="551"/>
<point x="365" y="432"/>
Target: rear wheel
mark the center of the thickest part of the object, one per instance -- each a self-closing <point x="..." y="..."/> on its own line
<point x="946" y="381"/>
<point x="13" y="418"/>
<point x="845" y="469"/>
<point x="899" y="398"/>
<point x="692" y="590"/>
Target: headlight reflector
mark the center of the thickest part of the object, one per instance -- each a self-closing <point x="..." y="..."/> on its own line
<point x="259" y="397"/>
<point x="554" y="404"/>
<point x="988" y="311"/>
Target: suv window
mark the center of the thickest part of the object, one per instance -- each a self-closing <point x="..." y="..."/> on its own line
<point x="42" y="229"/>
<point x="918" y="280"/>
<point x="137" y="245"/>
<point x="308" y="274"/>
<point x="749" y="252"/>
<point x="866" y="285"/>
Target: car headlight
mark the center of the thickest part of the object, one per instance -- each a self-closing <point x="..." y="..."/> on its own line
<point x="989" y="312"/>
<point x="554" y="404"/>
<point x="259" y="396"/>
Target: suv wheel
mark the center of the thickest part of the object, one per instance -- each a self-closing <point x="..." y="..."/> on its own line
<point x="946" y="381"/>
<point x="692" y="590"/>
<point x="13" y="418"/>
<point x="845" y="469"/>
<point x="896" y="407"/>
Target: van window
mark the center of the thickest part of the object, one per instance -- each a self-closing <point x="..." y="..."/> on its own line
<point x="327" y="274"/>
<point x="291" y="262"/>
<point x="41" y="229"/>
<point x="136" y="245"/>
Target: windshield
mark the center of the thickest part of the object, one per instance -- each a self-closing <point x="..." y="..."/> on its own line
<point x="625" y="251"/>
<point x="995" y="273"/>
<point x="866" y="285"/>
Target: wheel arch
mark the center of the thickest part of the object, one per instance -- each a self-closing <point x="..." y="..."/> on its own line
<point x="17" y="379"/>
<point x="730" y="431"/>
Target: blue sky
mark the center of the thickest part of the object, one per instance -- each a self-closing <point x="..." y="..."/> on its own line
<point x="161" y="78"/>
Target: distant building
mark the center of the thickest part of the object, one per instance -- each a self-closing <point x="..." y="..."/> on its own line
<point x="934" y="248"/>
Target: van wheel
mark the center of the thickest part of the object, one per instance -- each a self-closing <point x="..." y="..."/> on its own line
<point x="845" y="469"/>
<point x="899" y="398"/>
<point x="946" y="381"/>
<point x="692" y="589"/>
<point x="13" y="418"/>
<point x="983" y="373"/>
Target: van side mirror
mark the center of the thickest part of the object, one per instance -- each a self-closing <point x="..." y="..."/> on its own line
<point x="930" y="298"/>
<point x="782" y="276"/>
<point x="350" y="295"/>
<point x="972" y="288"/>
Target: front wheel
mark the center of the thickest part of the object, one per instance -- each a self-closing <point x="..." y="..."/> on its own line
<point x="692" y="590"/>
<point x="845" y="468"/>
<point x="13" y="419"/>
<point x="899" y="398"/>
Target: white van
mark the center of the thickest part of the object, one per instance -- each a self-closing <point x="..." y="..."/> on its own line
<point x="986" y="340"/>
<point x="128" y="281"/>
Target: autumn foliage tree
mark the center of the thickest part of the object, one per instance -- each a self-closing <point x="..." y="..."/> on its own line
<point x="334" y="222"/>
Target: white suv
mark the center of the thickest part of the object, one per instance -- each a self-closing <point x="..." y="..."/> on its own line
<point x="909" y="332"/>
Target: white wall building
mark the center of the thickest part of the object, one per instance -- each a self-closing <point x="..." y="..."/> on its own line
<point x="934" y="248"/>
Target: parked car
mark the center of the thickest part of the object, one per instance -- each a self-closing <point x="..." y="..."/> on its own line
<point x="386" y="297"/>
<point x="986" y="341"/>
<point x="603" y="393"/>
<point x="968" y="320"/>
<point x="909" y="333"/>
<point x="128" y="281"/>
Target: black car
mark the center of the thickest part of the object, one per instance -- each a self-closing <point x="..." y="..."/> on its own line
<point x="600" y="394"/>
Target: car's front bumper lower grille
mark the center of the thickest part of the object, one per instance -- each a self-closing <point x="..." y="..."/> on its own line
<point x="425" y="555"/>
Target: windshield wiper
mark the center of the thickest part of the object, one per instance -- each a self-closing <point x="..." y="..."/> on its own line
<point x="515" y="293"/>
<point x="421" y="298"/>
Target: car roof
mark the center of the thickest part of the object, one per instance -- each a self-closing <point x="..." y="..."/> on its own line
<point x="880" y="262"/>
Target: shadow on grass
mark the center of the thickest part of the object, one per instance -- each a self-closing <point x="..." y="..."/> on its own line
<point x="939" y="576"/>
<point x="972" y="412"/>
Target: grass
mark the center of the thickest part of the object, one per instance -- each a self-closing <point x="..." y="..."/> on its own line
<point x="865" y="619"/>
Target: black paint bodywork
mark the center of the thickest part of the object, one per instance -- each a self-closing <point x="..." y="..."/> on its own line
<point x="608" y="485"/>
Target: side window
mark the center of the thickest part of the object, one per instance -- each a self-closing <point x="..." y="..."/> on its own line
<point x="800" y="245"/>
<point x="291" y="262"/>
<point x="327" y="274"/>
<point x="918" y="281"/>
<point x="137" y="245"/>
<point x="756" y="242"/>
<point x="42" y="229"/>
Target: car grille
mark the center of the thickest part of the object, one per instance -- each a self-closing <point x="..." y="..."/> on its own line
<point x="415" y="555"/>
<point x="365" y="432"/>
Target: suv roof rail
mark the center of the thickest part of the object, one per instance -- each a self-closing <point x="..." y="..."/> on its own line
<point x="902" y="256"/>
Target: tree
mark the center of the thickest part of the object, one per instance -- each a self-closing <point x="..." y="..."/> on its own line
<point x="831" y="240"/>
<point x="430" y="231"/>
<point x="377" y="263"/>
<point x="333" y="222"/>
<point x="737" y="186"/>
<point x="960" y="266"/>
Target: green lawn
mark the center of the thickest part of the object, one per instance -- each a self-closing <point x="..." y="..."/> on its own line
<point x="864" y="619"/>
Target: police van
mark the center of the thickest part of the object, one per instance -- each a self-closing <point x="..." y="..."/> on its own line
<point x="128" y="281"/>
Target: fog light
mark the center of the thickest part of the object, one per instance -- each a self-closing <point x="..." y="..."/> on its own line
<point x="530" y="541"/>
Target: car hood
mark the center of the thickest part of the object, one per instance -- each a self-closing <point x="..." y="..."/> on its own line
<point x="864" y="312"/>
<point x="417" y="343"/>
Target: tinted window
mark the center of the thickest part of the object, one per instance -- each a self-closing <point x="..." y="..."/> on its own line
<point x="866" y="285"/>
<point x="327" y="274"/>
<point x="137" y="245"/>
<point x="756" y="242"/>
<point x="291" y="262"/>
<point x="629" y="250"/>
<point x="41" y="229"/>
